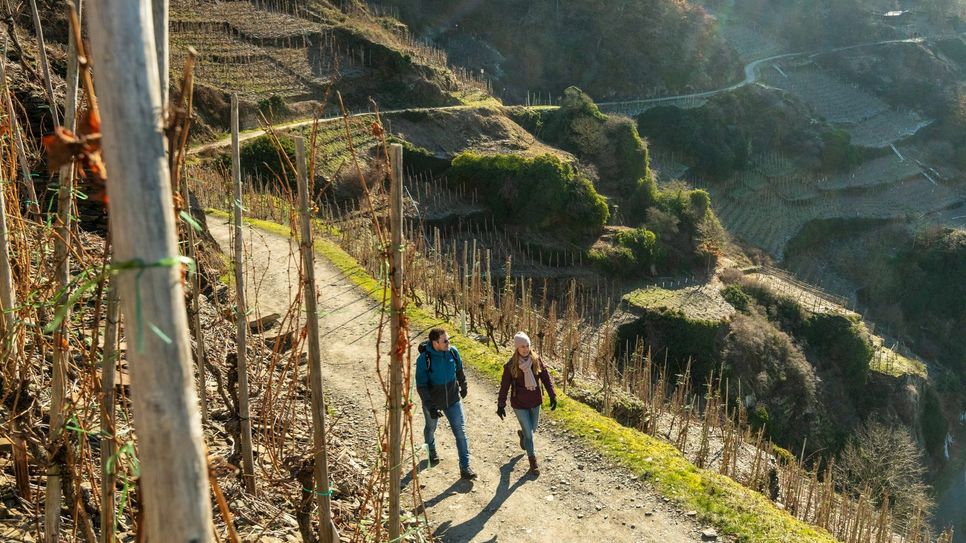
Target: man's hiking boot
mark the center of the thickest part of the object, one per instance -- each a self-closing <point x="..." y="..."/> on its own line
<point x="534" y="468"/>
<point x="468" y="473"/>
<point x="520" y="433"/>
<point x="433" y="459"/>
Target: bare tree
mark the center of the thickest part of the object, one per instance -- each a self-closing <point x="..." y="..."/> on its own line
<point x="885" y="462"/>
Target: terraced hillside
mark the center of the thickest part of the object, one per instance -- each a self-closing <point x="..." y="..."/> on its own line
<point x="768" y="210"/>
<point x="258" y="51"/>
<point x="252" y="52"/>
<point x="870" y="121"/>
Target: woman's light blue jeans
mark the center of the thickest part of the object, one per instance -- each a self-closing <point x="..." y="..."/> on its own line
<point x="528" y="423"/>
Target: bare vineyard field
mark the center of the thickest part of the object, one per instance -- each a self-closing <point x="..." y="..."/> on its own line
<point x="668" y="165"/>
<point x="890" y="361"/>
<point x="809" y="297"/>
<point x="886" y="127"/>
<point x="833" y="99"/>
<point x="244" y="16"/>
<point x="700" y="302"/>
<point x="870" y="121"/>
<point x="332" y="151"/>
<point x="769" y="203"/>
<point x="879" y="171"/>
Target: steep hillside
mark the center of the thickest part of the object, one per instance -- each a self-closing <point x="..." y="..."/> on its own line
<point x="300" y="54"/>
<point x="630" y="49"/>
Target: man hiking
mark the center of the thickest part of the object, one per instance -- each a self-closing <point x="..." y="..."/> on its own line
<point x="440" y="383"/>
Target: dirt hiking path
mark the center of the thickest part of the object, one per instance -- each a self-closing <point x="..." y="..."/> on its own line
<point x="577" y="497"/>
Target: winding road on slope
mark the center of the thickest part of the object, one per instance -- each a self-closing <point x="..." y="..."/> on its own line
<point x="751" y="71"/>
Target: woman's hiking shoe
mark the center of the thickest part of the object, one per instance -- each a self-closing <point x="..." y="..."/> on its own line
<point x="433" y="459"/>
<point x="520" y="433"/>
<point x="534" y="468"/>
<point x="468" y="473"/>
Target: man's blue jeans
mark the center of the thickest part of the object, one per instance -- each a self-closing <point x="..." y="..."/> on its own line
<point x="454" y="414"/>
<point x="528" y="423"/>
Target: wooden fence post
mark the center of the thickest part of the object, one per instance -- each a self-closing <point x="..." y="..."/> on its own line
<point x="241" y="310"/>
<point x="174" y="469"/>
<point x="159" y="11"/>
<point x="323" y="495"/>
<point x="44" y="65"/>
<point x="8" y="295"/>
<point x="395" y="366"/>
<point x="108" y="365"/>
<point x="62" y="229"/>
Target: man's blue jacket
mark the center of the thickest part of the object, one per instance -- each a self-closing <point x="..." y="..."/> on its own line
<point x="439" y="376"/>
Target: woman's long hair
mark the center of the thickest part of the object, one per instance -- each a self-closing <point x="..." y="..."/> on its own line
<point x="515" y="363"/>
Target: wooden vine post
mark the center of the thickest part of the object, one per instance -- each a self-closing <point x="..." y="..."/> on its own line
<point x="323" y="495"/>
<point x="108" y="365"/>
<point x="8" y="294"/>
<point x="44" y="65"/>
<point x="159" y="11"/>
<point x="62" y="230"/>
<point x="241" y="309"/>
<point x="174" y="468"/>
<point x="398" y="340"/>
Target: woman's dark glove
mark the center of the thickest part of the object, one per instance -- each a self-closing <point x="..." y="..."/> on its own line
<point x="463" y="391"/>
<point x="553" y="403"/>
<point x="501" y="412"/>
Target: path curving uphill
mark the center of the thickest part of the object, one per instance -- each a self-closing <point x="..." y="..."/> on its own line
<point x="577" y="497"/>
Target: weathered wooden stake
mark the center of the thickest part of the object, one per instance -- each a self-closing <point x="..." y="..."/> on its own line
<point x="323" y="495"/>
<point x="62" y="230"/>
<point x="108" y="365"/>
<point x="241" y="310"/>
<point x="44" y="65"/>
<point x="396" y="314"/>
<point x="174" y="481"/>
<point x="159" y="11"/>
<point x="8" y="295"/>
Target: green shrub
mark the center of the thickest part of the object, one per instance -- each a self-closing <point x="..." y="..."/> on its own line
<point x="642" y="243"/>
<point x="734" y="295"/>
<point x="844" y="342"/>
<point x="838" y="153"/>
<point x="644" y="197"/>
<point x="611" y="143"/>
<point x="759" y="417"/>
<point x="613" y="261"/>
<point x="541" y="192"/>
<point x="273" y="106"/>
<point x="632" y="252"/>
<point x="260" y="159"/>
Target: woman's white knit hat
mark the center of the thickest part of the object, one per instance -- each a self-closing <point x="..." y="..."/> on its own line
<point x="521" y="338"/>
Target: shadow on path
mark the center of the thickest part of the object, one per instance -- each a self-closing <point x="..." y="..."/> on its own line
<point x="468" y="529"/>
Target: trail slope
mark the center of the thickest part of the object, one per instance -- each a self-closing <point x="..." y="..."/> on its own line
<point x="577" y="497"/>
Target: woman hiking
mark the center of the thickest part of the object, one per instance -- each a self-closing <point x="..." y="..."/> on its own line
<point x="520" y="379"/>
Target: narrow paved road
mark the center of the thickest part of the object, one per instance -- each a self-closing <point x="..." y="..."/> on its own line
<point x="750" y="71"/>
<point x="577" y="497"/>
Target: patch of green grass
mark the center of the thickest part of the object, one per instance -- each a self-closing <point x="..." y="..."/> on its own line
<point x="732" y="508"/>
